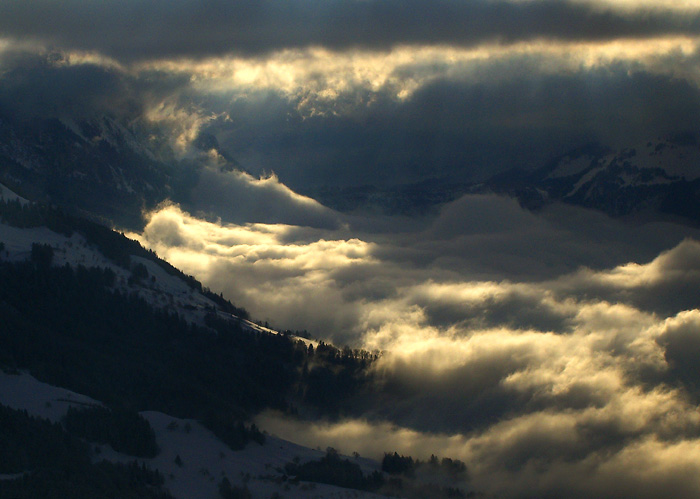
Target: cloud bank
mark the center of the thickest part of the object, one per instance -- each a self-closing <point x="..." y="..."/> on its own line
<point x="321" y="116"/>
<point x="554" y="353"/>
<point x="137" y="30"/>
<point x="363" y="269"/>
<point x="235" y="196"/>
<point x="554" y="380"/>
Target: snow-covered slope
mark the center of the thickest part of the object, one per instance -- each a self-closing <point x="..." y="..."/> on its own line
<point x="159" y="289"/>
<point x="658" y="176"/>
<point x="7" y="195"/>
<point x="203" y="459"/>
<point x="22" y="391"/>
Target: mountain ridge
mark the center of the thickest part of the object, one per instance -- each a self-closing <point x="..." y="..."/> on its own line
<point x="90" y="311"/>
<point x="105" y="169"/>
<point x="661" y="176"/>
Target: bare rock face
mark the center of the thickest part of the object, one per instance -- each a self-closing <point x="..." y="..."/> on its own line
<point x="659" y="177"/>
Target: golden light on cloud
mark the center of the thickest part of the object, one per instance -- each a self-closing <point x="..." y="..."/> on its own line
<point x="184" y="123"/>
<point x="578" y="370"/>
<point x="677" y="263"/>
<point x="686" y="6"/>
<point x="552" y="350"/>
<point x="402" y="70"/>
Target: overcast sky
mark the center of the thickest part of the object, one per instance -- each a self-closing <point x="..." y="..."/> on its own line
<point x="559" y="348"/>
<point x="366" y="92"/>
<point x="138" y="30"/>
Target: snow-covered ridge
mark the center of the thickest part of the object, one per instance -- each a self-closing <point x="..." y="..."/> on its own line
<point x="651" y="180"/>
<point x="7" y="195"/>
<point x="108" y="130"/>
<point x="204" y="459"/>
<point x="653" y="162"/>
<point x="99" y="164"/>
<point x="159" y="288"/>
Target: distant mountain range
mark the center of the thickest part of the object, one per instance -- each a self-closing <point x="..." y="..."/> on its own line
<point x="659" y="177"/>
<point x="103" y="168"/>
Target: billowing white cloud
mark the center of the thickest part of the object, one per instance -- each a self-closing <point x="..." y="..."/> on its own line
<point x="555" y="381"/>
<point x="301" y="265"/>
<point x="583" y="413"/>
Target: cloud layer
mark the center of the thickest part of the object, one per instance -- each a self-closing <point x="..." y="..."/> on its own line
<point x="137" y="30"/>
<point x="554" y="380"/>
<point x="300" y="252"/>
<point x="363" y="116"/>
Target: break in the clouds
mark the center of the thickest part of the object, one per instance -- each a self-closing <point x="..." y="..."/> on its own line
<point x="551" y="380"/>
<point x="470" y="121"/>
<point x="132" y="29"/>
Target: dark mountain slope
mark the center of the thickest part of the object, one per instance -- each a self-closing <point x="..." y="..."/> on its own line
<point x="96" y="167"/>
<point x="86" y="330"/>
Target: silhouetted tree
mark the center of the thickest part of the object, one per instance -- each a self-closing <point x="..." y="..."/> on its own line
<point x="395" y="464"/>
<point x="42" y="255"/>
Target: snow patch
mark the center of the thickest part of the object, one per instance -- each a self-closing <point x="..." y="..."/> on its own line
<point x="203" y="459"/>
<point x="571" y="166"/>
<point x="584" y="180"/>
<point x="7" y="195"/>
<point x="24" y="392"/>
<point x="161" y="289"/>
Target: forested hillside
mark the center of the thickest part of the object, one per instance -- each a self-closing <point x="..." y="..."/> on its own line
<point x="82" y="329"/>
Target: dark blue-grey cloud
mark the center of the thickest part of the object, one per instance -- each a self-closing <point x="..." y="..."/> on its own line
<point x="456" y="128"/>
<point x="133" y="29"/>
<point x="45" y="85"/>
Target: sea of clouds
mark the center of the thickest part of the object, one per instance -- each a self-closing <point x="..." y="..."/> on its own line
<point x="555" y="353"/>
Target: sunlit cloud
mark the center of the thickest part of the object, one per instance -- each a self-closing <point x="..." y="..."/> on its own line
<point x="555" y="353"/>
<point x="551" y="384"/>
<point x="579" y="419"/>
<point x="686" y="6"/>
<point x="327" y="75"/>
<point x="183" y="123"/>
<point x="682" y="262"/>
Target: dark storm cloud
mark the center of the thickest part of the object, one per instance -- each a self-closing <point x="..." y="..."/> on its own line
<point x="458" y="127"/>
<point x="34" y="85"/>
<point x="513" y="115"/>
<point x="140" y="30"/>
<point x="45" y="85"/>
